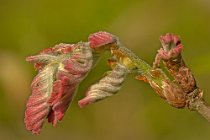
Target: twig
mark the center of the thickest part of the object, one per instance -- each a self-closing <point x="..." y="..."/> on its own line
<point x="63" y="67"/>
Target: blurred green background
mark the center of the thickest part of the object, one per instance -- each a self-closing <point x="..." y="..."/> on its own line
<point x="136" y="112"/>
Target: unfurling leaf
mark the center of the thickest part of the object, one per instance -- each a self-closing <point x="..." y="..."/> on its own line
<point x="61" y="70"/>
<point x="170" y="53"/>
<point x="102" y="41"/>
<point x="106" y="87"/>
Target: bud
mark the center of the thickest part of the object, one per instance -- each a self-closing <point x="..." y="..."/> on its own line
<point x="174" y="94"/>
<point x="172" y="58"/>
<point x="172" y="46"/>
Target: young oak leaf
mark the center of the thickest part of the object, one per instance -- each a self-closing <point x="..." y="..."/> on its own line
<point x="171" y="48"/>
<point x="62" y="69"/>
<point x="170" y="54"/>
<point x="106" y="87"/>
<point x="48" y="55"/>
<point x="102" y="41"/>
<point x="111" y="83"/>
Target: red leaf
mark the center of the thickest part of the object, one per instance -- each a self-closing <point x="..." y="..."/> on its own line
<point x="99" y="39"/>
<point x="37" y="107"/>
<point x="60" y="72"/>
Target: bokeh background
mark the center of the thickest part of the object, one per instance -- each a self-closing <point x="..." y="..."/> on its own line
<point x="136" y="112"/>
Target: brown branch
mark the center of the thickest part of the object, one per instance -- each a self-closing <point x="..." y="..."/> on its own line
<point x="203" y="109"/>
<point x="197" y="103"/>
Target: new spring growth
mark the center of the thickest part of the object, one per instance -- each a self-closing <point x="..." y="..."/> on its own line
<point x="62" y="68"/>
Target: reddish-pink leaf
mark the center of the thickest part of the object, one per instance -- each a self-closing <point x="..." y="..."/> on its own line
<point x="172" y="46"/>
<point x="61" y="69"/>
<point x="37" y="107"/>
<point x="100" y="39"/>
